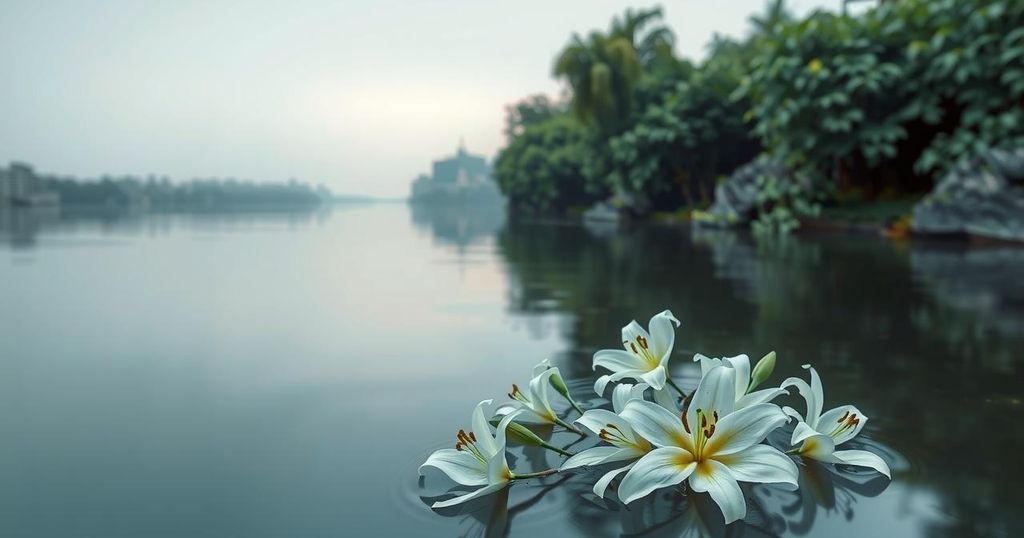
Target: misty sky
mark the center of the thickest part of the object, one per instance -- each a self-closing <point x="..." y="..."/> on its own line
<point x="360" y="96"/>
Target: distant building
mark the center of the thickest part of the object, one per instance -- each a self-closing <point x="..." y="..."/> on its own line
<point x="459" y="176"/>
<point x="19" y="186"/>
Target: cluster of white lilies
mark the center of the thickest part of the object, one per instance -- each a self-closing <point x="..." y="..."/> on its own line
<point x="712" y="438"/>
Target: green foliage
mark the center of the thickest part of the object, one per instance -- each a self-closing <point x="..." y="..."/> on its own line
<point x="782" y="203"/>
<point x="914" y="85"/>
<point x="541" y="169"/>
<point x="691" y="134"/>
<point x="603" y="69"/>
<point x="880" y="103"/>
<point x="533" y="110"/>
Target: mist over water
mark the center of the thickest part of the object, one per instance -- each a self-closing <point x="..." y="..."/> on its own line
<point x="285" y="373"/>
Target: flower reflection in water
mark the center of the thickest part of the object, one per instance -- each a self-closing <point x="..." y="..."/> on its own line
<point x="822" y="487"/>
<point x="492" y="516"/>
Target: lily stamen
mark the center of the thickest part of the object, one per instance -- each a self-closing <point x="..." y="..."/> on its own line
<point x="467" y="442"/>
<point x="704" y="432"/>
<point x="847" y="422"/>
<point x="615" y="437"/>
<point x="517" y="394"/>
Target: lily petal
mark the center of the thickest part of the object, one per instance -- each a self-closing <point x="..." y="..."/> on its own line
<point x="656" y="378"/>
<point x="544" y="364"/>
<point x="625" y="392"/>
<point x="862" y="458"/>
<point x="591" y="456"/>
<point x="812" y="394"/>
<point x="460" y="466"/>
<point x="483" y="429"/>
<point x="706" y="363"/>
<point x="633" y="332"/>
<point x="744" y="428"/>
<point x="716" y="479"/>
<point x="742" y="365"/>
<point x="486" y="490"/>
<point x="660" y="468"/>
<point x="818" y="391"/>
<point x="802" y="432"/>
<point x="792" y="413"/>
<point x="666" y="399"/>
<point x="818" y="447"/>
<point x="539" y="393"/>
<point x="759" y="397"/>
<point x="761" y="464"/>
<point x="602" y="483"/>
<point x="618" y="360"/>
<point x="830" y="420"/>
<point x="717" y="391"/>
<point x="657" y="424"/>
<point x="499" y="432"/>
<point x="602" y="382"/>
<point x="663" y="335"/>
<point x="596" y="420"/>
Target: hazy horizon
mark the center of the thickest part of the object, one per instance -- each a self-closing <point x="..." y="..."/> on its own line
<point x="360" y="98"/>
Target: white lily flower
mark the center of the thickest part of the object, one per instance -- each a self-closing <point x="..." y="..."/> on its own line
<point x="626" y="444"/>
<point x="557" y="382"/>
<point x="475" y="460"/>
<point x="645" y="356"/>
<point x="711" y="445"/>
<point x="818" y="434"/>
<point x="741" y="363"/>
<point x="536" y="407"/>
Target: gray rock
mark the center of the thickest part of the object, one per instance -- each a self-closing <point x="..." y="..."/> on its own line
<point x="984" y="197"/>
<point x="602" y="212"/>
<point x="736" y="198"/>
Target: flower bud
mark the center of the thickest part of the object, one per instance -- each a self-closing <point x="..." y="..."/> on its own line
<point x="559" y="385"/>
<point x="521" y="434"/>
<point x="762" y="371"/>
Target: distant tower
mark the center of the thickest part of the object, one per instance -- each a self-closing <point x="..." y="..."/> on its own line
<point x="462" y="145"/>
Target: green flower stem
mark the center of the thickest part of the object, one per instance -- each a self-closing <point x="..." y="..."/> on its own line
<point x="575" y="406"/>
<point x="556" y="449"/>
<point x="570" y="427"/>
<point x="538" y="474"/>
<point x="673" y="383"/>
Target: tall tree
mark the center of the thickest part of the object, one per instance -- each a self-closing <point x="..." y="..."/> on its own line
<point x="603" y="68"/>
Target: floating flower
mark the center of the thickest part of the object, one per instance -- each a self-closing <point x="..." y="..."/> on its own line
<point x="645" y="355"/>
<point x="711" y="445"/>
<point x="818" y="434"/>
<point x="745" y="382"/>
<point x="476" y="460"/>
<point x="626" y="444"/>
<point x="557" y="382"/>
<point x="535" y="406"/>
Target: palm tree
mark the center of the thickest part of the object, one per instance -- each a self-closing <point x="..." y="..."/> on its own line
<point x="602" y="69"/>
<point x="775" y="13"/>
<point x="652" y="44"/>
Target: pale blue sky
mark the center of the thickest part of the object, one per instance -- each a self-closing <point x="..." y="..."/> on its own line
<point x="359" y="96"/>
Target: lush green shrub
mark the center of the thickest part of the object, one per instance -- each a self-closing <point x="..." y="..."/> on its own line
<point x="541" y="169"/>
<point x="687" y="137"/>
<point x="910" y="87"/>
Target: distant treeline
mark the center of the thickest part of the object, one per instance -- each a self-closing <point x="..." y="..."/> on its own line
<point x="201" y="193"/>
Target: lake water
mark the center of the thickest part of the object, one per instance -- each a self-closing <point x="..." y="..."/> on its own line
<point x="284" y="374"/>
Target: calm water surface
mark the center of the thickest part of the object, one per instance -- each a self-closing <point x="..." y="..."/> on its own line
<point x="284" y="374"/>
